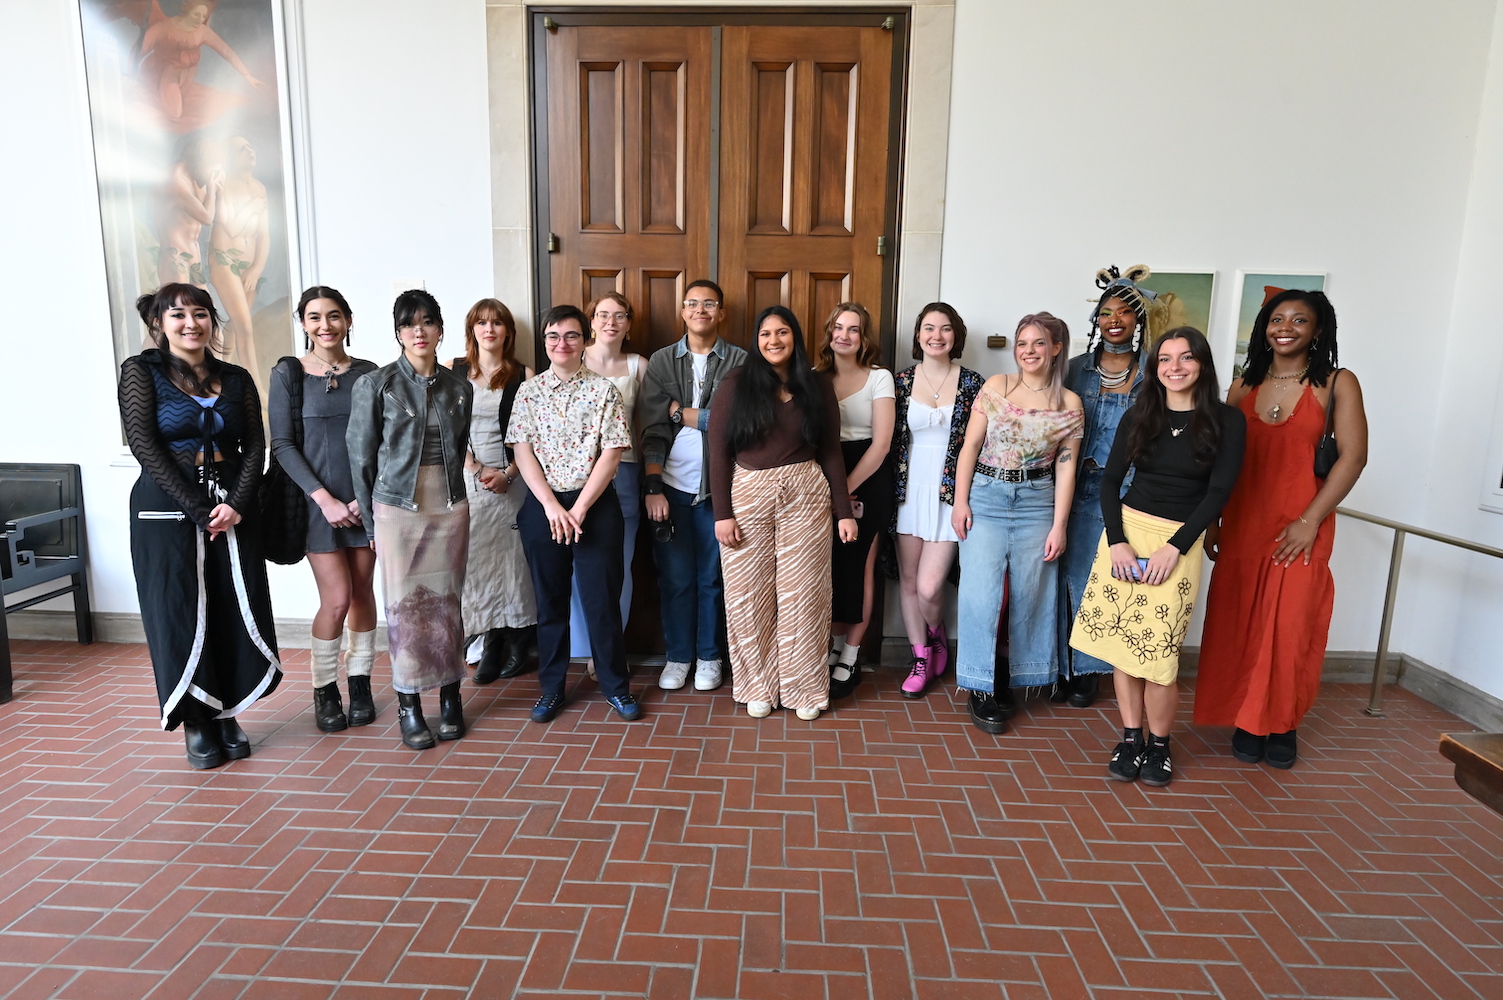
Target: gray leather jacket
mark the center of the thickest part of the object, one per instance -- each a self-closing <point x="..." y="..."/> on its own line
<point x="388" y="417"/>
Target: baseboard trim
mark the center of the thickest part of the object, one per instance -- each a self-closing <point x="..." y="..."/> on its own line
<point x="1471" y="704"/>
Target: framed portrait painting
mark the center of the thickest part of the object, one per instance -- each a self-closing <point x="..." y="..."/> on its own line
<point x="188" y="104"/>
<point x="1187" y="295"/>
<point x="1254" y="289"/>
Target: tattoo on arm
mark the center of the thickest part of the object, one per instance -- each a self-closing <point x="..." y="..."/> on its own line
<point x="1064" y="456"/>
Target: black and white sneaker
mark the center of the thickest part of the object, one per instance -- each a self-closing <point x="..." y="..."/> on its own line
<point x="1155" y="768"/>
<point x="1126" y="761"/>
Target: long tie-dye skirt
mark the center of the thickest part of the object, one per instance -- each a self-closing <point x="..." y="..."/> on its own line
<point x="422" y="556"/>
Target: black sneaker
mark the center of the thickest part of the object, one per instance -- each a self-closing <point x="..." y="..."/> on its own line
<point x="1155" y="768"/>
<point x="987" y="714"/>
<point x="1281" y="750"/>
<point x="1247" y="747"/>
<point x="1126" y="761"/>
<point x="625" y="705"/>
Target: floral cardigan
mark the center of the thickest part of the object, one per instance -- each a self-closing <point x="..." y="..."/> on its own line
<point x="966" y="388"/>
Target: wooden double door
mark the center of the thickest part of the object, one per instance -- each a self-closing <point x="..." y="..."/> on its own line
<point x="761" y="155"/>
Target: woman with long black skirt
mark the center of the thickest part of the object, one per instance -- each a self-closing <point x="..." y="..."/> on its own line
<point x="194" y="424"/>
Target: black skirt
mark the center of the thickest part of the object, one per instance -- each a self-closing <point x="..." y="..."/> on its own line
<point x="206" y="610"/>
<point x="848" y="560"/>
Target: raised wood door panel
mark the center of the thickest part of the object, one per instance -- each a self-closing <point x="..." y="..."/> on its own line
<point x="629" y="168"/>
<point x="803" y="171"/>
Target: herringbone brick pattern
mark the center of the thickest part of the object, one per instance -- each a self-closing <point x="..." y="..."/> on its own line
<point x="888" y="850"/>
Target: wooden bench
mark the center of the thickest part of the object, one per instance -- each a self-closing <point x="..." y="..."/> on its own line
<point x="42" y="539"/>
<point x="1479" y="765"/>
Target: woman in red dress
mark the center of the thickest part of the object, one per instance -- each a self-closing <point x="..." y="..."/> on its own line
<point x="1269" y="607"/>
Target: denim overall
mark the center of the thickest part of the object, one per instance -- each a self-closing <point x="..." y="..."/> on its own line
<point x="1103" y="412"/>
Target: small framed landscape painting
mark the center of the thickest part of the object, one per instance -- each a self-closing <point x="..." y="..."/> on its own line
<point x="1188" y="295"/>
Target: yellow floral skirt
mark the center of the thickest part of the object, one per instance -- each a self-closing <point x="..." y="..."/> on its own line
<point x="1137" y="628"/>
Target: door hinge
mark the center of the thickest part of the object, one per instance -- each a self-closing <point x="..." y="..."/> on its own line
<point x="888" y="23"/>
<point x="552" y="243"/>
<point x="549" y="24"/>
<point x="881" y="246"/>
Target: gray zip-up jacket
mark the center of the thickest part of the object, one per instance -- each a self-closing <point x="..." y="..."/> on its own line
<point x="670" y="377"/>
<point x="388" y="418"/>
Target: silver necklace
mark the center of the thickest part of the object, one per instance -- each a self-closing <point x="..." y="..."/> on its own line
<point x="1177" y="431"/>
<point x="942" y="382"/>
<point x="1116" y="381"/>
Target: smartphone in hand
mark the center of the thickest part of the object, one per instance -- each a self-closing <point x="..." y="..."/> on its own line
<point x="858" y="509"/>
<point x="1142" y="569"/>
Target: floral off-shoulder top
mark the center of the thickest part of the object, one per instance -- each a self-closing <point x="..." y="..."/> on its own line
<point x="1018" y="438"/>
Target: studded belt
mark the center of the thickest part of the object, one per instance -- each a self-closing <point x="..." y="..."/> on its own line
<point x="1015" y="475"/>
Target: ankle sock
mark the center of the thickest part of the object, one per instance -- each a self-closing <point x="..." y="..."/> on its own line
<point x="1133" y="735"/>
<point x="848" y="653"/>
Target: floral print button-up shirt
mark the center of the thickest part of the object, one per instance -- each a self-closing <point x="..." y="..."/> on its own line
<point x="567" y="422"/>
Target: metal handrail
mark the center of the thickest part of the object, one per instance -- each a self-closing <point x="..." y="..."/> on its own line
<point x="1395" y="560"/>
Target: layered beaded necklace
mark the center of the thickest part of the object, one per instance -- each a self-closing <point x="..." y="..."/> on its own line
<point x="1277" y="409"/>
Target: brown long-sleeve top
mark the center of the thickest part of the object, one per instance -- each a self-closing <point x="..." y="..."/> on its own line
<point x="783" y="445"/>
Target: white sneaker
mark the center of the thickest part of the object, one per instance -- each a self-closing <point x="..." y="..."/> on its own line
<point x="808" y="714"/>
<point x="673" y="676"/>
<point x="759" y="709"/>
<point x="706" y="675"/>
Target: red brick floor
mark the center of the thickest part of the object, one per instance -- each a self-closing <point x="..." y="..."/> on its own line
<point x="888" y="850"/>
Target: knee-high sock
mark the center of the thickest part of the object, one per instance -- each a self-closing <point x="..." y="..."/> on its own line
<point x="325" y="656"/>
<point x="362" y="655"/>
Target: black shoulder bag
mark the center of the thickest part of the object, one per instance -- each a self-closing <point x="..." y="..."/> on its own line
<point x="284" y="506"/>
<point x="1326" y="453"/>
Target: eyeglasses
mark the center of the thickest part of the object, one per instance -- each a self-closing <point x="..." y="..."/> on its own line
<point x="709" y="305"/>
<point x="605" y="316"/>
<point x="553" y="337"/>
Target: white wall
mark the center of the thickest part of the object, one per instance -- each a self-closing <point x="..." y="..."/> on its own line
<point x="1340" y="136"/>
<point x="1336" y="136"/>
<point x="1451" y="599"/>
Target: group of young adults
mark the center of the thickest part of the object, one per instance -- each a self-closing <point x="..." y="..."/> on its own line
<point x="1078" y="494"/>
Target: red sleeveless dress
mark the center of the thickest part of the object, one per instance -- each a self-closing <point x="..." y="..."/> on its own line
<point x="1265" y="631"/>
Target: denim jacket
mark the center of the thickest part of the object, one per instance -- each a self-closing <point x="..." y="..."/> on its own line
<point x="670" y="377"/>
<point x="388" y="417"/>
<point x="1103" y="410"/>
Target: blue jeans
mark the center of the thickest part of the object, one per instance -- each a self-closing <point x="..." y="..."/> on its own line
<point x="1082" y="538"/>
<point x="693" y="598"/>
<point x="1009" y="524"/>
<point x="628" y="483"/>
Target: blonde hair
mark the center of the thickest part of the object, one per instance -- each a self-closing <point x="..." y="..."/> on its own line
<point x="1058" y="333"/>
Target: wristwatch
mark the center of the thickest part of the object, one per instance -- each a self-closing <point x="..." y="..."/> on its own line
<point x="676" y="417"/>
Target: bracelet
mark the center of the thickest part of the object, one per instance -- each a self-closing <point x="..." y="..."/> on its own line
<point x="1303" y="521"/>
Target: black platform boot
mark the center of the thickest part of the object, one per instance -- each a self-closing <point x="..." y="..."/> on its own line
<point x="362" y="705"/>
<point x="204" y="749"/>
<point x="415" y="731"/>
<point x="328" y="709"/>
<point x="450" y="712"/>
<point x="493" y="657"/>
<point x="236" y="744"/>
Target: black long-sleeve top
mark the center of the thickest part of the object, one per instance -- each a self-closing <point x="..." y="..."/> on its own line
<point x="165" y="429"/>
<point x="1169" y="481"/>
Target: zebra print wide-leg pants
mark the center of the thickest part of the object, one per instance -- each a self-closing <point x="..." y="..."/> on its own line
<point x="777" y="586"/>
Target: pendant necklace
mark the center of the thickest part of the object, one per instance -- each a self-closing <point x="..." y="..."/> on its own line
<point x="931" y="384"/>
<point x="1177" y="431"/>
<point x="1277" y="408"/>
<point x="330" y="382"/>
